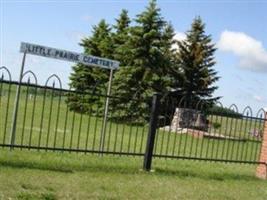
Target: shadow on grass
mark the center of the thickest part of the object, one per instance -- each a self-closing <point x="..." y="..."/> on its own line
<point x="130" y="166"/>
<point x="68" y="168"/>
<point x="32" y="165"/>
<point x="207" y="175"/>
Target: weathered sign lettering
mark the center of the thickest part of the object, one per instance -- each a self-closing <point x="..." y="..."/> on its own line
<point x="68" y="56"/>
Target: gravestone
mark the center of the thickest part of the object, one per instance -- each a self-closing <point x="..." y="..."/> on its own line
<point x="189" y="118"/>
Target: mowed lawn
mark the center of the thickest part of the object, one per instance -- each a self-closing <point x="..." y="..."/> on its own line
<point x="47" y="122"/>
<point x="41" y="175"/>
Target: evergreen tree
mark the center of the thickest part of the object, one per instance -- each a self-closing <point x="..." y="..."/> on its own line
<point x="120" y="38"/>
<point x="196" y="58"/>
<point x="148" y="63"/>
<point x="172" y="69"/>
<point x="85" y="79"/>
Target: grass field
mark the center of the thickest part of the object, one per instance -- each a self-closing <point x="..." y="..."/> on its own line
<point x="30" y="175"/>
<point x="34" y="175"/>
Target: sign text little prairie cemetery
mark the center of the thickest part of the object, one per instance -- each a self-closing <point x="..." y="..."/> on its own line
<point x="68" y="56"/>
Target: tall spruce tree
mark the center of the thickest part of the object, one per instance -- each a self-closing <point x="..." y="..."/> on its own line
<point x="196" y="58"/>
<point x="85" y="79"/>
<point x="148" y="62"/>
<point x="120" y="38"/>
<point x="172" y="69"/>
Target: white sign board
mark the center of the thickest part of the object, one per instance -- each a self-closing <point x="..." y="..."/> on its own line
<point x="68" y="56"/>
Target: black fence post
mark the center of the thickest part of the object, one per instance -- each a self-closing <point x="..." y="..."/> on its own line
<point x="151" y="132"/>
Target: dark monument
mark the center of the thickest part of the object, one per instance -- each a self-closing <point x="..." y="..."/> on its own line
<point x="189" y="118"/>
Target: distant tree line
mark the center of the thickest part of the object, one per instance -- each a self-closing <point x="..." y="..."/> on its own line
<point x="221" y="111"/>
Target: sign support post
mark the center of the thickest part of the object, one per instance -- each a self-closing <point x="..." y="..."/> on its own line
<point x="103" y="132"/>
<point x="16" y="104"/>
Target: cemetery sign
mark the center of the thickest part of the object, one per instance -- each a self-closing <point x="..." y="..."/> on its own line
<point x="68" y="56"/>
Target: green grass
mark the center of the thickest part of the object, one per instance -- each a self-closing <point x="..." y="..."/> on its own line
<point x="236" y="127"/>
<point x="40" y="175"/>
<point x="56" y="175"/>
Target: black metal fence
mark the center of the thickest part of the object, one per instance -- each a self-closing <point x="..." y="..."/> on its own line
<point x="200" y="133"/>
<point x="175" y="130"/>
<point x="45" y="122"/>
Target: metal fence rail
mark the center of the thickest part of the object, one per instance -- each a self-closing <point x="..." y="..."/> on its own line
<point x="47" y="120"/>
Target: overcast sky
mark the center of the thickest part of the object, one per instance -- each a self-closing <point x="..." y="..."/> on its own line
<point x="237" y="27"/>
